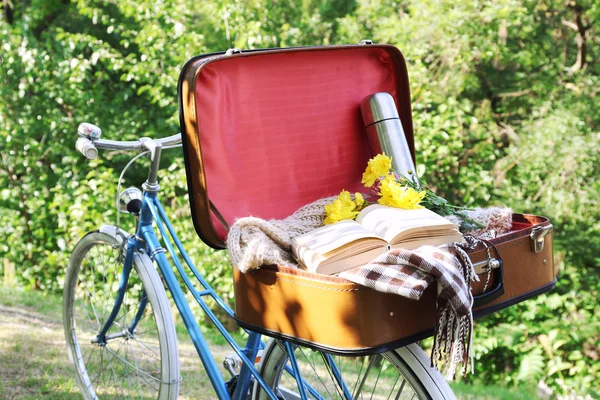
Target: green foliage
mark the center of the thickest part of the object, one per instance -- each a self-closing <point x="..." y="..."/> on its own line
<point x="504" y="97"/>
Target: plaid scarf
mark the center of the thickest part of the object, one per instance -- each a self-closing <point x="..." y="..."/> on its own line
<point x="408" y="273"/>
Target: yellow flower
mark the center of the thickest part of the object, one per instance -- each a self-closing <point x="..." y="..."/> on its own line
<point x="344" y="207"/>
<point x="359" y="199"/>
<point x="378" y="166"/>
<point x="345" y="199"/>
<point x="395" y="195"/>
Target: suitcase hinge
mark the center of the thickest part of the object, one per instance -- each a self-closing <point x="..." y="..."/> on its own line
<point x="482" y="267"/>
<point x="232" y="51"/>
<point x="537" y="237"/>
<point x="366" y="41"/>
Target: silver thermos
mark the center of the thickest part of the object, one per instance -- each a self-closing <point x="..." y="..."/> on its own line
<point x="384" y="131"/>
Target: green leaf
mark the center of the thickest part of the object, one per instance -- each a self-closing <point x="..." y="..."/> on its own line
<point x="532" y="365"/>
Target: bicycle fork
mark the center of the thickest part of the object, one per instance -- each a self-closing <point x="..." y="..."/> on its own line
<point x="102" y="336"/>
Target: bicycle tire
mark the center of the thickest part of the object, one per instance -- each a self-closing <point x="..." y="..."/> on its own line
<point x="415" y="378"/>
<point x="129" y="366"/>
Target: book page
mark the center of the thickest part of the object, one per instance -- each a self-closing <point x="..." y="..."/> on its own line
<point x="396" y="224"/>
<point x="327" y="239"/>
<point x="431" y="241"/>
<point x="334" y="266"/>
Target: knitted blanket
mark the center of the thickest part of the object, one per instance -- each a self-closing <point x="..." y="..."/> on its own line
<point x="253" y="242"/>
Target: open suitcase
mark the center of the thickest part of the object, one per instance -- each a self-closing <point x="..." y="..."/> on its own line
<point x="268" y="131"/>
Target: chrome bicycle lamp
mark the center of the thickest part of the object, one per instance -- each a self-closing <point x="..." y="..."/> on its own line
<point x="130" y="200"/>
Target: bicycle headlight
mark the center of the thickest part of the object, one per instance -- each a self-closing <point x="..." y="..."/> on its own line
<point x="130" y="200"/>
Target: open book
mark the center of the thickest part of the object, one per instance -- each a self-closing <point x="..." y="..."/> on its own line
<point x="347" y="244"/>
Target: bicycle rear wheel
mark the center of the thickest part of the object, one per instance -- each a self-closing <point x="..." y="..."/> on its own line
<point x="400" y="374"/>
<point x="131" y="363"/>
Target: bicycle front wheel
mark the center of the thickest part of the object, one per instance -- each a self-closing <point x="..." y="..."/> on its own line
<point x="138" y="357"/>
<point x="400" y="374"/>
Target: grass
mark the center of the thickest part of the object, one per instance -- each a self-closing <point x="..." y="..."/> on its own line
<point x="34" y="362"/>
<point x="33" y="357"/>
<point x="480" y="392"/>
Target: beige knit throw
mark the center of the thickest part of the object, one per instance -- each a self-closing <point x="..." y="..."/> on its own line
<point x="253" y="242"/>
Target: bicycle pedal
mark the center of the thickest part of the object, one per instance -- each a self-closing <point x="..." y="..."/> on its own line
<point x="232" y="384"/>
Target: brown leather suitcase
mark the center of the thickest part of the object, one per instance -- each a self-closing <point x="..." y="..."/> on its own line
<point x="267" y="131"/>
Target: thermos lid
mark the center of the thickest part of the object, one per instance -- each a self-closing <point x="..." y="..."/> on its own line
<point x="378" y="107"/>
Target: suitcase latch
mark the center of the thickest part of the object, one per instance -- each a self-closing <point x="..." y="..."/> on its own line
<point x="537" y="237"/>
<point x="482" y="267"/>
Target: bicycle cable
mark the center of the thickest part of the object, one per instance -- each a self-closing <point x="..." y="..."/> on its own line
<point x="119" y="185"/>
<point x="123" y="174"/>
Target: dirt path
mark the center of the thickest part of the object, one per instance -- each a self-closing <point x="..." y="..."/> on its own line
<point x="33" y="356"/>
<point x="34" y="362"/>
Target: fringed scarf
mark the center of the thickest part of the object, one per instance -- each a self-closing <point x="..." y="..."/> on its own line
<point x="409" y="272"/>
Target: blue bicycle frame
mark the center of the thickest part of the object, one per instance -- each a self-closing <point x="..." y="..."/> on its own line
<point x="146" y="240"/>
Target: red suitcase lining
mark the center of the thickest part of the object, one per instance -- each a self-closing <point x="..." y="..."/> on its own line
<point x="296" y="112"/>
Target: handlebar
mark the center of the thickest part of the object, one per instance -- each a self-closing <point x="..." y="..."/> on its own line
<point x="86" y="147"/>
<point x="137" y="144"/>
<point x="89" y="142"/>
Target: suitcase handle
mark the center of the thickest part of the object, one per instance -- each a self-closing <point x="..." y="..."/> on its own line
<point x="497" y="290"/>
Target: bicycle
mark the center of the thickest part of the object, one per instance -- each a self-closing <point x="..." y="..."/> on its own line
<point x="121" y="336"/>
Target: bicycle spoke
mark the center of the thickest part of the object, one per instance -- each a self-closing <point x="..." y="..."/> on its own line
<point x="394" y="386"/>
<point x="138" y="371"/>
<point x="92" y="297"/>
<point x="100" y="371"/>
<point x="376" y="382"/>
<point x="339" y="390"/>
<point x="125" y="313"/>
<point x="142" y="332"/>
<point x="401" y="389"/>
<point x="358" y="375"/>
<point x="123" y="344"/>
<point x="316" y="373"/>
<point x="372" y="361"/>
<point x="105" y="288"/>
<point x="136" y="376"/>
<point x="90" y="355"/>
<point x="142" y="372"/>
<point x="87" y="314"/>
<point x="156" y="354"/>
<point x="112" y="372"/>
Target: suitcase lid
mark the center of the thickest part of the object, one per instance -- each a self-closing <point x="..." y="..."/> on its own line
<point x="268" y="131"/>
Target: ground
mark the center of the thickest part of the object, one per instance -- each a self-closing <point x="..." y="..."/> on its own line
<point x="34" y="362"/>
<point x="33" y="355"/>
